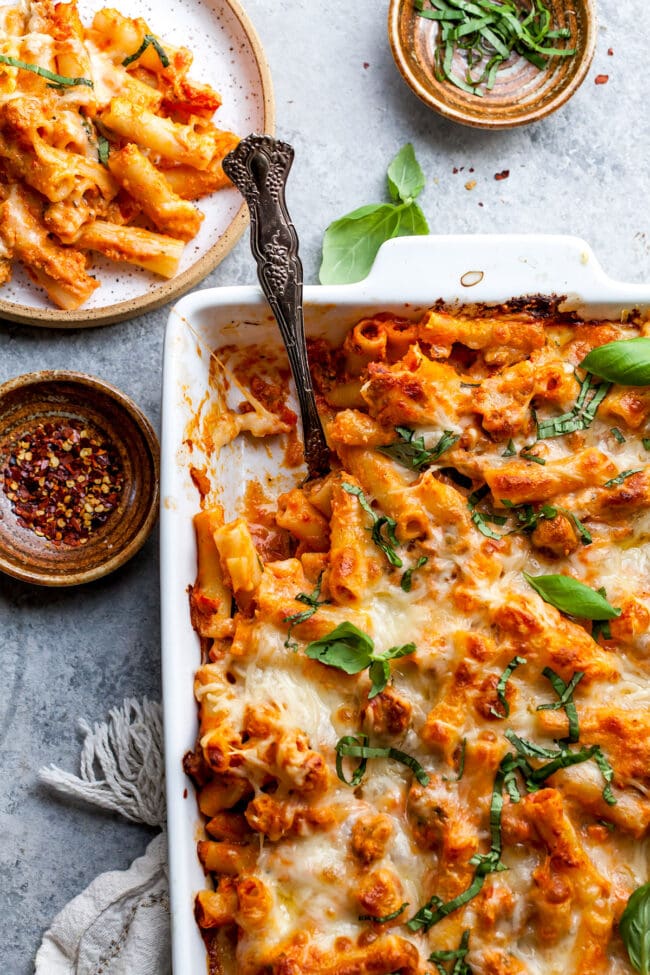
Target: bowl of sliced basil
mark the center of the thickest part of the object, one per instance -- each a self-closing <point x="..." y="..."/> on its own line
<point x="493" y="65"/>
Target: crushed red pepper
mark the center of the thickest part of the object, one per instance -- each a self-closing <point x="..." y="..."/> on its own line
<point x="63" y="480"/>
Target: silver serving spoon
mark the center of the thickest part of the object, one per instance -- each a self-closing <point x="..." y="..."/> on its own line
<point x="259" y="167"/>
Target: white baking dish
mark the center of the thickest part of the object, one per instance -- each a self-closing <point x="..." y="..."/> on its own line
<point x="408" y="276"/>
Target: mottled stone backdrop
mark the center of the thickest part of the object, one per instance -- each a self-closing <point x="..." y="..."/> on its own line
<point x="343" y="105"/>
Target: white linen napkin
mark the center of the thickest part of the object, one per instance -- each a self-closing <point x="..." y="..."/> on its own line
<point x="119" y="925"/>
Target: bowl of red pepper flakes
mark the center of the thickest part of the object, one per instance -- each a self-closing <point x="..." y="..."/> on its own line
<point x="79" y="478"/>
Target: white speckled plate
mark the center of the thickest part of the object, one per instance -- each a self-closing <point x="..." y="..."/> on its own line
<point x="228" y="56"/>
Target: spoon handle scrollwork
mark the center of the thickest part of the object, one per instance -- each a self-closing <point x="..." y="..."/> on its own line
<point x="259" y="167"/>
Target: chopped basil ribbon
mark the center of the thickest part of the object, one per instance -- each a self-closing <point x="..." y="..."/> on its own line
<point x="149" y="39"/>
<point x="573" y="597"/>
<point x="525" y="453"/>
<point x="313" y="601"/>
<point x="488" y="33"/>
<point x="615" y="481"/>
<point x="601" y="627"/>
<point x="565" y="695"/>
<point x="480" y="518"/>
<point x="584" y="533"/>
<point x="634" y="928"/>
<point x="406" y="581"/>
<point x="386" y="917"/>
<point x="501" y="687"/>
<point x="103" y="149"/>
<point x="617" y="435"/>
<point x="559" y="758"/>
<point x="352" y="651"/>
<point x="646" y="443"/>
<point x="506" y="778"/>
<point x="387" y="544"/>
<point x="461" y="760"/>
<point x="528" y="519"/>
<point x="456" y="955"/>
<point x="59" y="80"/>
<point x="409" y="450"/>
<point x="510" y="450"/>
<point x="626" y="361"/>
<point x="436" y="909"/>
<point x="347" y="742"/>
<point x="350" y="747"/>
<point x="581" y="416"/>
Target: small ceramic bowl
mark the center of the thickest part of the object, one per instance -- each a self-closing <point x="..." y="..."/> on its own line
<point x="76" y="399"/>
<point x="522" y="93"/>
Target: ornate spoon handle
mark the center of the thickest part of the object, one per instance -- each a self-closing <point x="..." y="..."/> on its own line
<point x="259" y="167"/>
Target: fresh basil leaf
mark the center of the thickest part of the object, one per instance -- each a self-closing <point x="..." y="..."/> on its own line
<point x="626" y="361"/>
<point x="411" y="222"/>
<point x="396" y="652"/>
<point x="634" y="928"/>
<point x="410" y="452"/>
<point x="380" y="670"/>
<point x="572" y="597"/>
<point x="379" y="675"/>
<point x="351" y="243"/>
<point x="405" y="176"/>
<point x="351" y="650"/>
<point x="346" y="647"/>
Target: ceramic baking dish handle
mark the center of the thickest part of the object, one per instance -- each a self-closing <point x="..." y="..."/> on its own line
<point x="484" y="267"/>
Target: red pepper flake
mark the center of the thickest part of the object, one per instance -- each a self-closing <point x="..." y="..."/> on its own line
<point x="502" y="175"/>
<point x="610" y="51"/>
<point x="366" y="64"/>
<point x="455" y="170"/>
<point x="63" y="480"/>
<point x="601" y="79"/>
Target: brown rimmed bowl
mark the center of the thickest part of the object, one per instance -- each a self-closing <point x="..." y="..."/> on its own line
<point x="522" y="93"/>
<point x="39" y="397"/>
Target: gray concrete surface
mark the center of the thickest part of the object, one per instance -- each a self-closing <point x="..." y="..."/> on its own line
<point x="341" y="102"/>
